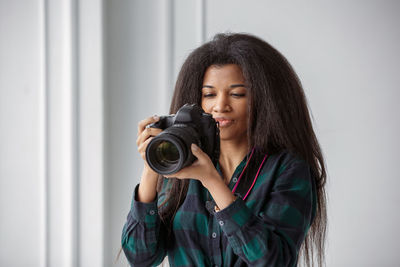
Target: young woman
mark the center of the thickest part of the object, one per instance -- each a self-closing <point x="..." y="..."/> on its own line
<point x="263" y="204"/>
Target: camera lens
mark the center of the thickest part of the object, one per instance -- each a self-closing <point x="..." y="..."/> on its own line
<point x="170" y="151"/>
<point x="167" y="153"/>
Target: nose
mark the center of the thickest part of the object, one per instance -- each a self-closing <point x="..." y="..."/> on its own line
<point x="222" y="104"/>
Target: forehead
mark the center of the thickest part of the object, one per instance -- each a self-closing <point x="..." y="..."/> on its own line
<point x="223" y="73"/>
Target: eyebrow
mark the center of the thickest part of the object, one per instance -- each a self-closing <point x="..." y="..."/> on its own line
<point x="231" y="86"/>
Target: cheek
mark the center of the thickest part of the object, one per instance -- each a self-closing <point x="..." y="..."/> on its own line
<point x="242" y="109"/>
<point x="206" y="106"/>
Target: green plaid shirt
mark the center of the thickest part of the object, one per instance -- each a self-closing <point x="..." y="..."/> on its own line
<point x="267" y="229"/>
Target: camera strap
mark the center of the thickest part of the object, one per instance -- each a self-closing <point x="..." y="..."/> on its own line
<point x="243" y="187"/>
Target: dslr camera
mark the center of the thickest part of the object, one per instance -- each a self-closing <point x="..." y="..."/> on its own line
<point x="170" y="151"/>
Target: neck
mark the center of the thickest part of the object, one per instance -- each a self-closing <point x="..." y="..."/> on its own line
<point x="231" y="154"/>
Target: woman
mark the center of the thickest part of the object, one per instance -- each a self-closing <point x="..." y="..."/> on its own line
<point x="263" y="203"/>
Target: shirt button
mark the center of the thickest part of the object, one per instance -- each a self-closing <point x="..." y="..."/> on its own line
<point x="234" y="179"/>
<point x="214" y="235"/>
<point x="152" y="212"/>
<point x="221" y="223"/>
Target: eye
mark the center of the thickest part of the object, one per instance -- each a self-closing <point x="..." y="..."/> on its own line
<point x="208" y="95"/>
<point x="238" y="95"/>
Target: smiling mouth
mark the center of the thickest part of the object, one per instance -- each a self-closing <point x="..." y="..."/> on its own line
<point x="224" y="122"/>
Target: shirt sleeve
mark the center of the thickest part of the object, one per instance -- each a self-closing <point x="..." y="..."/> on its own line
<point x="273" y="236"/>
<point x="143" y="241"/>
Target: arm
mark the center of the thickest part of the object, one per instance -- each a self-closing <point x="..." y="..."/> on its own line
<point x="142" y="239"/>
<point x="142" y="236"/>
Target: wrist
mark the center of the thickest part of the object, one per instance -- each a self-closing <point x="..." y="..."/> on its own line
<point x="148" y="186"/>
<point x="211" y="180"/>
<point x="148" y="173"/>
<point x="220" y="192"/>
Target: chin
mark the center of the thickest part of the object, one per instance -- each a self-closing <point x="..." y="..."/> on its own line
<point x="229" y="136"/>
<point x="226" y="137"/>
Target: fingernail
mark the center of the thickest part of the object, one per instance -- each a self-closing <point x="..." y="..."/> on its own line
<point x="194" y="147"/>
<point x="156" y="117"/>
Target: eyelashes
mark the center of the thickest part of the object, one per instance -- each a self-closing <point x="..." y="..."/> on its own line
<point x="210" y="95"/>
<point x="238" y="95"/>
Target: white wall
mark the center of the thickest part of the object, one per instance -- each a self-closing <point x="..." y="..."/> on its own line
<point x="137" y="77"/>
<point x="68" y="159"/>
<point x="21" y="205"/>
<point x="51" y="138"/>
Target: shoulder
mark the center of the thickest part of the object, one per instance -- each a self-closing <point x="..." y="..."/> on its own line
<point x="281" y="171"/>
<point x="289" y="172"/>
<point x="285" y="161"/>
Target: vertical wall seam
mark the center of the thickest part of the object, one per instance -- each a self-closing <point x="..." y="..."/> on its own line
<point x="104" y="79"/>
<point x="201" y="22"/>
<point x="204" y="21"/>
<point x="171" y="59"/>
<point x="75" y="110"/>
<point x="103" y="123"/>
<point x="43" y="134"/>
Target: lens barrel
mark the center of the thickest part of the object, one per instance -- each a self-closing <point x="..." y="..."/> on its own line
<point x="169" y="152"/>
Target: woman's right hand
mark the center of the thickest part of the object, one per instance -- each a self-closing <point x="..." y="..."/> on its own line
<point x="145" y="135"/>
<point x="148" y="181"/>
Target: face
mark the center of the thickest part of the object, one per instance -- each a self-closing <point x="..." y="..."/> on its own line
<point x="224" y="95"/>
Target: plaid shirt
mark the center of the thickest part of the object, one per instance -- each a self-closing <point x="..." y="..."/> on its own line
<point x="267" y="229"/>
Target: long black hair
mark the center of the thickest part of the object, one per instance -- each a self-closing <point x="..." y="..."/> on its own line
<point x="279" y="118"/>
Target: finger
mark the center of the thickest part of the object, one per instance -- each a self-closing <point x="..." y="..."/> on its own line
<point x="180" y="174"/>
<point x="142" y="147"/>
<point x="143" y="123"/>
<point x="197" y="152"/>
<point x="176" y="175"/>
<point x="173" y="175"/>
<point x="148" y="132"/>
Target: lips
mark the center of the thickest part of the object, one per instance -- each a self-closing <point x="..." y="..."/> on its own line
<point x="224" y="122"/>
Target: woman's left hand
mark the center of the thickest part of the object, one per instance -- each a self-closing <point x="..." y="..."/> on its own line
<point x="202" y="169"/>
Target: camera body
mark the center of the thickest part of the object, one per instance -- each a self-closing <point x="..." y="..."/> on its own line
<point x="170" y="151"/>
